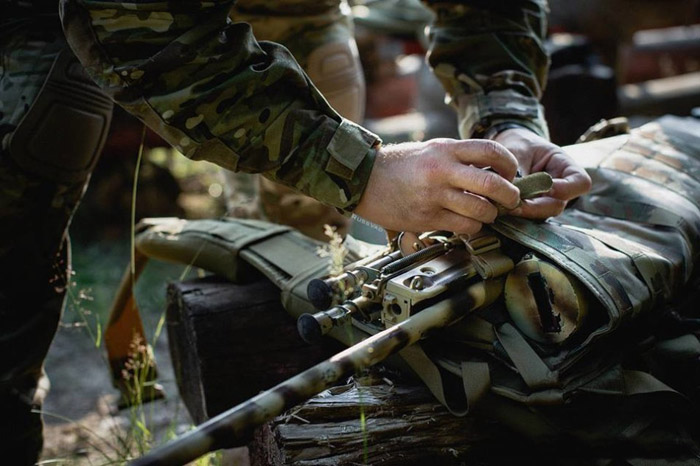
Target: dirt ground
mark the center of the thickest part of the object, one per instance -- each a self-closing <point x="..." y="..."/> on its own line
<point x="82" y="425"/>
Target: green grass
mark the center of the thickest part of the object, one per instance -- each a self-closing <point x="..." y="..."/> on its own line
<point x="97" y="269"/>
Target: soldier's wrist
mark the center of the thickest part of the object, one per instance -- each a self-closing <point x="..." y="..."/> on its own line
<point x="484" y="115"/>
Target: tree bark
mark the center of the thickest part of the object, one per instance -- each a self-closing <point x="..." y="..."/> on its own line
<point x="228" y="342"/>
<point x="403" y="425"/>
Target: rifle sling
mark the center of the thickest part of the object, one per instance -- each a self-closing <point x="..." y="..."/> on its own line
<point x="536" y="374"/>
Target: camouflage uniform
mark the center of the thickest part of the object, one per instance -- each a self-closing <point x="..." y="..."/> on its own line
<point x="490" y="58"/>
<point x="43" y="172"/>
<point x="215" y="93"/>
<point x="323" y="44"/>
<point x="208" y="87"/>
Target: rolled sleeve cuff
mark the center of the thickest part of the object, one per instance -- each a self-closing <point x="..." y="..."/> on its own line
<point x="348" y="148"/>
<point x="352" y="151"/>
<point x="480" y="113"/>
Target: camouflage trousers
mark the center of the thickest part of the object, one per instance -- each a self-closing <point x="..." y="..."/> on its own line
<point x="320" y="36"/>
<point x="46" y="155"/>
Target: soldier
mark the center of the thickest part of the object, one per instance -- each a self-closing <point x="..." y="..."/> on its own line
<point x="205" y="84"/>
<point x="211" y="90"/>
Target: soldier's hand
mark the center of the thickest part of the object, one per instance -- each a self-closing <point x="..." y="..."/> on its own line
<point x="536" y="154"/>
<point x="439" y="185"/>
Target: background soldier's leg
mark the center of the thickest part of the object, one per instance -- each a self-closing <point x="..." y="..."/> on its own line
<point x="320" y="36"/>
<point x="53" y="122"/>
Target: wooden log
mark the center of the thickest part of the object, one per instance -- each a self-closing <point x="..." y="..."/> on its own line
<point x="228" y="342"/>
<point x="403" y="425"/>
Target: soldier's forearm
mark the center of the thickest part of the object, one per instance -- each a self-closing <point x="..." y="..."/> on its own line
<point x="210" y="89"/>
<point x="491" y="60"/>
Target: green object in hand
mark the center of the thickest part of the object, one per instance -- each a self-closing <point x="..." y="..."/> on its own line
<point x="532" y="185"/>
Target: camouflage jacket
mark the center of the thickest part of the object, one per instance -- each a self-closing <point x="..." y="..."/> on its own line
<point x="214" y="92"/>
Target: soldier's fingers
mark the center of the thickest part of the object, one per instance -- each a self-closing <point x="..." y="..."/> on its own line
<point x="485" y="153"/>
<point x="574" y="184"/>
<point x="470" y="205"/>
<point x="484" y="183"/>
<point x="540" y="208"/>
<point x="450" y="221"/>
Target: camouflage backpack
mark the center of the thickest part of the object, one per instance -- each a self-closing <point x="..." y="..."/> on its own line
<point x="623" y="383"/>
<point x="627" y="383"/>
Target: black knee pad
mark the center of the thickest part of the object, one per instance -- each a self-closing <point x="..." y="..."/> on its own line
<point x="63" y="132"/>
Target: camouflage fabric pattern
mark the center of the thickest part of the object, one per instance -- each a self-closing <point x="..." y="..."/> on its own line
<point x="298" y="8"/>
<point x="34" y="214"/>
<point x="491" y="60"/>
<point x="304" y="34"/>
<point x="28" y="49"/>
<point x="300" y="25"/>
<point x="633" y="240"/>
<point x="215" y="93"/>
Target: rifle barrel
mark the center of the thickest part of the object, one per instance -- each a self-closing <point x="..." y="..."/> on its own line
<point x="312" y="327"/>
<point x="235" y="426"/>
<point x="322" y="293"/>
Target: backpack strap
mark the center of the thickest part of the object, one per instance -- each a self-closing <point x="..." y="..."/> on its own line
<point x="536" y="374"/>
<point x="458" y="396"/>
<point x="644" y="261"/>
<point x="476" y="380"/>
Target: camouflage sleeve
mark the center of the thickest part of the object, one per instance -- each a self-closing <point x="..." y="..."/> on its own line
<point x="490" y="57"/>
<point x="211" y="90"/>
